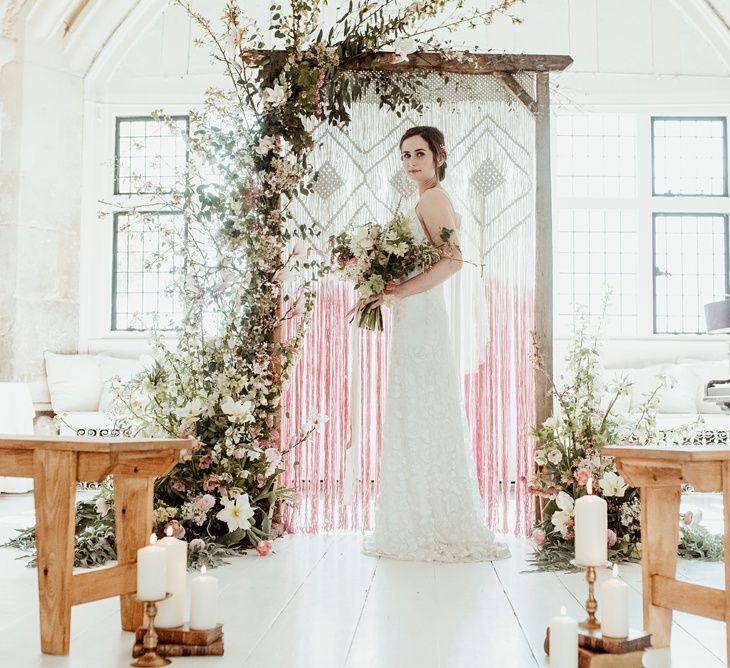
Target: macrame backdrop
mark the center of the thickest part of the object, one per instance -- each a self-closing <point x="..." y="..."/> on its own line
<point x="490" y="142"/>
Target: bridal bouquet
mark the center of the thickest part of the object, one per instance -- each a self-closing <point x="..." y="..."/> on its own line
<point x="377" y="258"/>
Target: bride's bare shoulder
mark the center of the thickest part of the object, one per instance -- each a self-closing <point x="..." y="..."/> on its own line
<point x="434" y="200"/>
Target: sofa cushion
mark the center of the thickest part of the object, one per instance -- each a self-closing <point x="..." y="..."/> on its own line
<point x="114" y="370"/>
<point x="74" y="382"/>
<point x="682" y="398"/>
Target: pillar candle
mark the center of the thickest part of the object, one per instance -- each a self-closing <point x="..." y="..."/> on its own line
<point x="151" y="571"/>
<point x="614" y="602"/>
<point x="563" y="641"/>
<point x="203" y="601"/>
<point x="591" y="529"/>
<point x="171" y="613"/>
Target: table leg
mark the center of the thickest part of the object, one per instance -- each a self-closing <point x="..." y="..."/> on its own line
<point x="54" y="475"/>
<point x="133" y="515"/>
<point x="726" y="513"/>
<point x="659" y="540"/>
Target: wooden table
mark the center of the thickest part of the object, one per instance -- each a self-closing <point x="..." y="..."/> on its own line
<point x="56" y="464"/>
<point x="660" y="472"/>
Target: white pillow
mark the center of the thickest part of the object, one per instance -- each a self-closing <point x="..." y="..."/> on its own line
<point x="682" y="398"/>
<point x="113" y="369"/>
<point x="74" y="382"/>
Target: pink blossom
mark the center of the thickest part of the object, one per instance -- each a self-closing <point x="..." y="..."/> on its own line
<point x="179" y="486"/>
<point x="205" y="502"/>
<point x="264" y="547"/>
<point x="178" y="530"/>
<point x="196" y="445"/>
<point x="196" y="544"/>
<point x="611" y="538"/>
<point x="212" y="483"/>
<point x="239" y="453"/>
<point x="538" y="537"/>
<point x="551" y="492"/>
<point x="269" y="421"/>
<point x="568" y="535"/>
<point x="581" y="476"/>
<point x="692" y="517"/>
<point x="206" y="461"/>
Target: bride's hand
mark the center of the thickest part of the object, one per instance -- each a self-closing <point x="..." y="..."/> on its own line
<point x="387" y="297"/>
<point x="358" y="305"/>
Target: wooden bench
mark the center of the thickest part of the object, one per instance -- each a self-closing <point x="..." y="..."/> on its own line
<point x="660" y="472"/>
<point x="56" y="464"/>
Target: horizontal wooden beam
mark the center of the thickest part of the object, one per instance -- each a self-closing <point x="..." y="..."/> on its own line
<point x="686" y="597"/>
<point x="104" y="583"/>
<point x="464" y="63"/>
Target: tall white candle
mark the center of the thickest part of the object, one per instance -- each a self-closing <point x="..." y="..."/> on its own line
<point x="171" y="613"/>
<point x="563" y="641"/>
<point x="591" y="529"/>
<point x="614" y="602"/>
<point x="151" y="571"/>
<point x="203" y="601"/>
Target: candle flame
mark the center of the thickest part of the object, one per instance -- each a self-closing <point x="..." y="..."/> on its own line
<point x="153" y="539"/>
<point x="615" y="570"/>
<point x="563" y="611"/>
<point x="203" y="570"/>
<point x="589" y="485"/>
<point x="168" y="531"/>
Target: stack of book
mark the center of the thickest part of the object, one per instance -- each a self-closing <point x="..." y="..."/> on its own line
<point x="182" y="641"/>
<point x="597" y="651"/>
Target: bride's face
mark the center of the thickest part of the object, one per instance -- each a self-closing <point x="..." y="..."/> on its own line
<point x="419" y="162"/>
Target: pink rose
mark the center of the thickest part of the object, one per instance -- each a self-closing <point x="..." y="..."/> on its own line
<point x="611" y="538"/>
<point x="179" y="486"/>
<point x="177" y="529"/>
<point x="551" y="492"/>
<point x="206" y="461"/>
<point x="538" y="537"/>
<point x="581" y="476"/>
<point x="264" y="547"/>
<point x="205" y="502"/>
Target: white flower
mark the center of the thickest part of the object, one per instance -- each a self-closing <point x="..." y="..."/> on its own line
<point x="102" y="507"/>
<point x="299" y="249"/>
<point x="540" y="458"/>
<point x="236" y="513"/>
<point x="555" y="456"/>
<point x="273" y="457"/>
<point x="612" y="484"/>
<point x="562" y="519"/>
<point x="274" y="97"/>
<point x="551" y="423"/>
<point x="565" y="502"/>
<point x="238" y="411"/>
<point x="402" y="48"/>
<point x="315" y="421"/>
<point x="266" y="144"/>
<point x="191" y="410"/>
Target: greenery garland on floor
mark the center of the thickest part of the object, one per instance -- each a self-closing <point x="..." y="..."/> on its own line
<point x="569" y="454"/>
<point x="244" y="259"/>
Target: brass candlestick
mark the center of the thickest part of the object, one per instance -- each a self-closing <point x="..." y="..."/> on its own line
<point x="151" y="657"/>
<point x="591" y="623"/>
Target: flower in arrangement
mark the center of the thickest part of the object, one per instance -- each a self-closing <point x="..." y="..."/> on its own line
<point x="206" y="461"/>
<point x="562" y="519"/>
<point x="582" y="476"/>
<point x="538" y="536"/>
<point x="611" y="538"/>
<point x="206" y="502"/>
<point x="273" y="459"/>
<point x="265" y="146"/>
<point x="196" y="545"/>
<point x="102" y="506"/>
<point x="236" y="512"/>
<point x="555" y="456"/>
<point x="264" y="547"/>
<point x="175" y="529"/>
<point x="274" y="96"/>
<point x="191" y="410"/>
<point x="238" y="411"/>
<point x="692" y="517"/>
<point x="612" y="484"/>
<point x="404" y="47"/>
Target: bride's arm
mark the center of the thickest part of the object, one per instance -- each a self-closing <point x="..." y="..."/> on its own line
<point x="436" y="214"/>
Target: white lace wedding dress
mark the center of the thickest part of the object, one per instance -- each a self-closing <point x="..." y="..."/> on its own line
<point x="428" y="506"/>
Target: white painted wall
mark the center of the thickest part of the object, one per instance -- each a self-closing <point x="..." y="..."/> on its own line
<point x="60" y="95"/>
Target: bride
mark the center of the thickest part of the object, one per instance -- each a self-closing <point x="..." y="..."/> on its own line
<point x="428" y="507"/>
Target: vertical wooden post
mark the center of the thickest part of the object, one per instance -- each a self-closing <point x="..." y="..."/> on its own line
<point x="54" y="474"/>
<point x="543" y="309"/>
<point x="726" y="513"/>
<point x="133" y="499"/>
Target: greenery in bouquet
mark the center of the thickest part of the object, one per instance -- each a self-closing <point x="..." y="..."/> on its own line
<point x="377" y="257"/>
<point x="568" y="455"/>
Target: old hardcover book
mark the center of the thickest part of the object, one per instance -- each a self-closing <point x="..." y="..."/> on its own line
<point x="588" y="659"/>
<point x="163" y="649"/>
<point x="594" y="641"/>
<point x="183" y="635"/>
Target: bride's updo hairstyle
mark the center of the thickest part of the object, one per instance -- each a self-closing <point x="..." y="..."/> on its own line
<point x="436" y="142"/>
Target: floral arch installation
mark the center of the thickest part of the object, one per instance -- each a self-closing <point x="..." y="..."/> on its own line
<point x="491" y="143"/>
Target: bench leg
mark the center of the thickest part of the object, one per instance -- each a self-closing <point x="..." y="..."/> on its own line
<point x="54" y="475"/>
<point x="726" y="513"/>
<point x="659" y="540"/>
<point x="133" y="516"/>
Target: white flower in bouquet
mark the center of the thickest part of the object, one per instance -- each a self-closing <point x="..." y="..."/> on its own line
<point x="274" y="97"/>
<point x="239" y="412"/>
<point x="555" y="456"/>
<point x="191" y="410"/>
<point x="273" y="458"/>
<point x="236" y="513"/>
<point x="364" y="241"/>
<point x="562" y="519"/>
<point x="612" y="484"/>
<point x="266" y="144"/>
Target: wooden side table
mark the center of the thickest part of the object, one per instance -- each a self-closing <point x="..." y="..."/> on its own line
<point x="660" y="472"/>
<point x="56" y="464"/>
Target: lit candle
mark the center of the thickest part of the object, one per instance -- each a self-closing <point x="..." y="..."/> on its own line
<point x="614" y="601"/>
<point x="203" y="601"/>
<point x="151" y="571"/>
<point x="171" y="613"/>
<point x="591" y="529"/>
<point x="563" y="641"/>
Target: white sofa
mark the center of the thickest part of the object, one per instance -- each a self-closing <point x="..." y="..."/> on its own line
<point x="81" y="389"/>
<point x="684" y="402"/>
